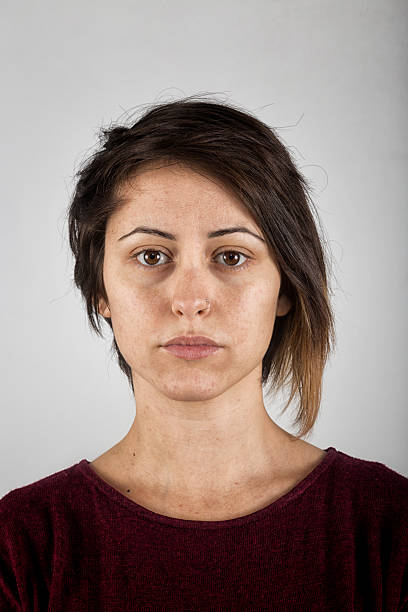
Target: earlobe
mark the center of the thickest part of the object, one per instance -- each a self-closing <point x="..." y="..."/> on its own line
<point x="284" y="305"/>
<point x="103" y="308"/>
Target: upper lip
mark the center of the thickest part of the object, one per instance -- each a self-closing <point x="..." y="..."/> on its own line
<point x="191" y="340"/>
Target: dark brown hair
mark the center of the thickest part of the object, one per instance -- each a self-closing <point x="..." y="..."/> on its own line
<point x="230" y="144"/>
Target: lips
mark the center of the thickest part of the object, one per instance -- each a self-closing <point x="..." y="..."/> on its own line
<point x="191" y="341"/>
<point x="191" y="353"/>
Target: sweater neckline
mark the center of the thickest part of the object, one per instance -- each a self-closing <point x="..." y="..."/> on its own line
<point x="141" y="512"/>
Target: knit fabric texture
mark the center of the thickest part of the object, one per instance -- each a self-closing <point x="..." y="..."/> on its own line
<point x="338" y="541"/>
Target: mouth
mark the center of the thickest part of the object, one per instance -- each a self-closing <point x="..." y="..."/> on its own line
<point x="191" y="352"/>
<point x="191" y="341"/>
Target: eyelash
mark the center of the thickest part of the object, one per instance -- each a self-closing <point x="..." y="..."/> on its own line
<point x="232" y="268"/>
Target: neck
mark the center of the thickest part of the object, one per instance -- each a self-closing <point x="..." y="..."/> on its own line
<point x="207" y="459"/>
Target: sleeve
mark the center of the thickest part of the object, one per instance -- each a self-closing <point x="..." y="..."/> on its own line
<point x="9" y="592"/>
<point x="26" y="552"/>
<point x="404" y="606"/>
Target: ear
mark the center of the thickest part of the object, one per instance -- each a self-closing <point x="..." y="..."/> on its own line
<point x="284" y="305"/>
<point x="103" y="308"/>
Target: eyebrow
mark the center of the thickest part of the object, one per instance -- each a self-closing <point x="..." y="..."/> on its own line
<point x="221" y="232"/>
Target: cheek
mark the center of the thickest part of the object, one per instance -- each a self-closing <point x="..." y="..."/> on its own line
<point x="261" y="298"/>
<point x="253" y="314"/>
<point x="135" y="314"/>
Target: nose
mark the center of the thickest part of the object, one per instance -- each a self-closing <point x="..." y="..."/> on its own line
<point x="190" y="307"/>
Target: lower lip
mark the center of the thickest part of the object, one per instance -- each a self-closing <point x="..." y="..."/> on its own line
<point x="191" y="352"/>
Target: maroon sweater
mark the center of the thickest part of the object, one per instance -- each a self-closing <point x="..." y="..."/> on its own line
<point x="337" y="541"/>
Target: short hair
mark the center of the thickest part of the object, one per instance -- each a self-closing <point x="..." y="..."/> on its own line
<point x="232" y="145"/>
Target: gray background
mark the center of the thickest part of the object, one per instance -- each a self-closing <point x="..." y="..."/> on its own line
<point x="330" y="75"/>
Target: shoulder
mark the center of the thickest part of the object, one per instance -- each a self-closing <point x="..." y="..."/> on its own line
<point x="376" y="473"/>
<point x="372" y="487"/>
<point x="37" y="489"/>
<point x="32" y="507"/>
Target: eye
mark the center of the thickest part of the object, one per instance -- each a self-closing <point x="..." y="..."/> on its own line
<point x="236" y="255"/>
<point x="151" y="257"/>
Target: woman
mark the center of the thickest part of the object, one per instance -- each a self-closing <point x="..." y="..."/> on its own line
<point x="194" y="238"/>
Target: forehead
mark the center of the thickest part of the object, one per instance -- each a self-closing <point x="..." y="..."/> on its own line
<point x="177" y="192"/>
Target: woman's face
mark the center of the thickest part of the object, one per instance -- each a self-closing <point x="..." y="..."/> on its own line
<point x="153" y="297"/>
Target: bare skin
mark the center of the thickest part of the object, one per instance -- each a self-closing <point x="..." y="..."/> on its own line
<point x="201" y="446"/>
